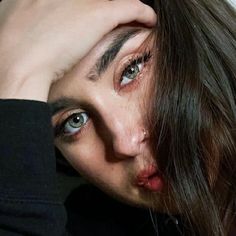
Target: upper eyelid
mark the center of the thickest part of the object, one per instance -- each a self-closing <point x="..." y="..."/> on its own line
<point x="134" y="59"/>
<point x="63" y="115"/>
<point x="127" y="61"/>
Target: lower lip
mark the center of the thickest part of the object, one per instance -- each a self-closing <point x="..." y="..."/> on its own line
<point x="154" y="183"/>
<point x="150" y="179"/>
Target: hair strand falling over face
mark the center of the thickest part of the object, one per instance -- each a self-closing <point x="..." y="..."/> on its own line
<point x="194" y="112"/>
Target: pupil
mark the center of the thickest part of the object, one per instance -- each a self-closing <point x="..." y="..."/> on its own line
<point x="76" y="119"/>
<point x="133" y="71"/>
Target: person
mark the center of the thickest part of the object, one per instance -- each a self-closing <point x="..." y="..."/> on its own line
<point x="147" y="115"/>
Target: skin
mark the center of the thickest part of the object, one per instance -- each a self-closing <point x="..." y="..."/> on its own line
<point x="110" y="148"/>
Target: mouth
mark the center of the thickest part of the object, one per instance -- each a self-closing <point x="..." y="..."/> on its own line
<point x="150" y="179"/>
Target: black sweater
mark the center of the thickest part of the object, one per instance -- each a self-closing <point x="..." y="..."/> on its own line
<point x="29" y="202"/>
<point x="29" y="199"/>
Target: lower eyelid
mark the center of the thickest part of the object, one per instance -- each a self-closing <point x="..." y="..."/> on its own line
<point x="64" y="115"/>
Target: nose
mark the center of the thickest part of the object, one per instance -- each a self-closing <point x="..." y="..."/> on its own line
<point x="128" y="141"/>
<point x="123" y="126"/>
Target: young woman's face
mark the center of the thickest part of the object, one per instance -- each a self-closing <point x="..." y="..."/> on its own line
<point x="99" y="117"/>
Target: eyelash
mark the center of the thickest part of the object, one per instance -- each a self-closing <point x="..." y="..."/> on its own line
<point x="144" y="58"/>
<point x="59" y="129"/>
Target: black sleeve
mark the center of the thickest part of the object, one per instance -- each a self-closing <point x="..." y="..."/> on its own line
<point x="29" y="202"/>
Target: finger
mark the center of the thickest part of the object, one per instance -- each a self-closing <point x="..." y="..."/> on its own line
<point x="127" y="11"/>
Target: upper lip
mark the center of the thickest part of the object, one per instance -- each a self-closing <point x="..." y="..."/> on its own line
<point x="143" y="176"/>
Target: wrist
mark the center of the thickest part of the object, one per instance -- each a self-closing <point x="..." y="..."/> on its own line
<point x="12" y="86"/>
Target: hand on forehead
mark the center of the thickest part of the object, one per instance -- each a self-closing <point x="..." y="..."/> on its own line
<point x="52" y="29"/>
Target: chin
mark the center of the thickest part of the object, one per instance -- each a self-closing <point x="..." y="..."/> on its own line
<point x="141" y="199"/>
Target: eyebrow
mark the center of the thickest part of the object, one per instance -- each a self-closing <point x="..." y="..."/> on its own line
<point x="61" y="104"/>
<point x="104" y="61"/>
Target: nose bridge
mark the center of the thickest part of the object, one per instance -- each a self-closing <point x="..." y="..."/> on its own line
<point x="126" y="128"/>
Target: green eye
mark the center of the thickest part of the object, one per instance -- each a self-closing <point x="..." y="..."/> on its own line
<point x="75" y="122"/>
<point x="131" y="72"/>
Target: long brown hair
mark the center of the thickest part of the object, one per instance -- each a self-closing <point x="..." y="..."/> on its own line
<point x="194" y="111"/>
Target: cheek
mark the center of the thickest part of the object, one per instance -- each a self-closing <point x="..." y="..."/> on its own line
<point x="91" y="163"/>
<point x="88" y="158"/>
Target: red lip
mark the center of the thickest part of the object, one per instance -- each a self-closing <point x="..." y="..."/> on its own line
<point x="150" y="179"/>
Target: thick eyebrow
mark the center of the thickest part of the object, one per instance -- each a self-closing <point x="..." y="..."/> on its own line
<point x="110" y="54"/>
<point x="61" y="104"/>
